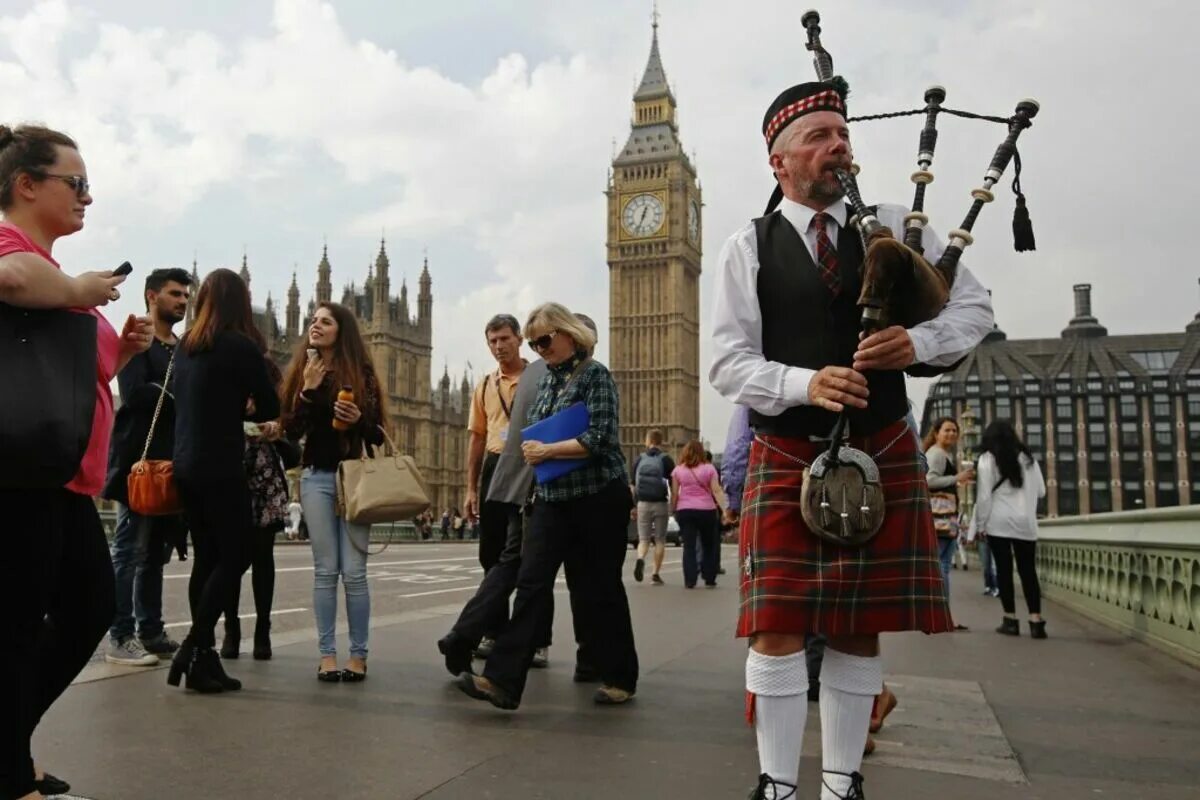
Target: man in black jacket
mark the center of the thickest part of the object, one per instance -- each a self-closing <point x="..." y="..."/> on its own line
<point x="140" y="543"/>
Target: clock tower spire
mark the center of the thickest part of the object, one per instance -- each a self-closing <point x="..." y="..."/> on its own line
<point x="654" y="204"/>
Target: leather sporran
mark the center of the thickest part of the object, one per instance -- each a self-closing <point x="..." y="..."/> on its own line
<point x="841" y="498"/>
<point x="151" y="483"/>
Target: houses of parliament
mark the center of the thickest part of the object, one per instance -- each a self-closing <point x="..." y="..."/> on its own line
<point x="653" y="253"/>
<point x="426" y="420"/>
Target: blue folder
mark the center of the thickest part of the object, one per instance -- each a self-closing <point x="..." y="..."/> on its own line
<point x="569" y="423"/>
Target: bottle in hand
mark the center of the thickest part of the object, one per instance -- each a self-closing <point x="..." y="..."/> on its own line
<point x="346" y="395"/>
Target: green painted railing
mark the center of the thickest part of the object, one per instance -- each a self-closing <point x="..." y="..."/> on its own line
<point x="1136" y="571"/>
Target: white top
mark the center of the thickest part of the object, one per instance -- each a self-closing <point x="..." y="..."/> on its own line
<point x="743" y="375"/>
<point x="1005" y="510"/>
<point x="295" y="511"/>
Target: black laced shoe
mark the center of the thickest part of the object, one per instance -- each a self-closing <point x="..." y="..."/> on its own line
<point x="853" y="792"/>
<point x="778" y="789"/>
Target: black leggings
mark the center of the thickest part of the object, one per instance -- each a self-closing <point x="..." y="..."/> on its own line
<point x="218" y="515"/>
<point x="57" y="592"/>
<point x="1003" y="549"/>
<point x="262" y="578"/>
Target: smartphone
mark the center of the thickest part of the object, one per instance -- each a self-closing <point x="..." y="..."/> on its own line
<point x="124" y="269"/>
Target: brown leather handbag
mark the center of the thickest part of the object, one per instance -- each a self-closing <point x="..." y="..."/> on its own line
<point x="151" y="484"/>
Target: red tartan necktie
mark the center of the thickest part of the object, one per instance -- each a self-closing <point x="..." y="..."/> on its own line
<point x="827" y="260"/>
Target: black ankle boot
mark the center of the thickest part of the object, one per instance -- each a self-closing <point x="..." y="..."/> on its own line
<point x="1009" y="627"/>
<point x="209" y="658"/>
<point x="1037" y="630"/>
<point x="230" y="647"/>
<point x="262" y="640"/>
<point x="196" y="675"/>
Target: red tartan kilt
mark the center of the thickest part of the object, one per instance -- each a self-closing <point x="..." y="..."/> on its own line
<point x="793" y="582"/>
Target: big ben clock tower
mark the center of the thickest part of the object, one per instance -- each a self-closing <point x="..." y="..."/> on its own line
<point x="654" y="207"/>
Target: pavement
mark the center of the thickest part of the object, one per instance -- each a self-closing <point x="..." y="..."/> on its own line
<point x="1084" y="714"/>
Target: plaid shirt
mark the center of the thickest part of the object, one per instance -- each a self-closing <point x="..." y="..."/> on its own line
<point x="595" y="387"/>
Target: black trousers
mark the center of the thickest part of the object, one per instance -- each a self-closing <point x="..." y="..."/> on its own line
<point x="262" y="579"/>
<point x="486" y="613"/>
<point x="58" y="596"/>
<point x="1003" y="550"/>
<point x="493" y="518"/>
<point x="218" y="514"/>
<point x="588" y="535"/>
<point x="703" y="528"/>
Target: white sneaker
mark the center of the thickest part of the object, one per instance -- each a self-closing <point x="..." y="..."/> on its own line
<point x="129" y="653"/>
<point x="541" y="658"/>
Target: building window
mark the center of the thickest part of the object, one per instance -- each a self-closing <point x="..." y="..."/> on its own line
<point x="1161" y="406"/>
<point x="392" y="373"/>
<point x="1034" y="437"/>
<point x="1063" y="408"/>
<point x="1033" y="408"/>
<point x="1129" y="406"/>
<point x="1003" y="407"/>
<point x="1095" y="407"/>
<point x="1097" y="436"/>
<point x="1193" y="405"/>
<point x="1163" y="436"/>
<point x="1155" y="359"/>
<point x="1100" y="496"/>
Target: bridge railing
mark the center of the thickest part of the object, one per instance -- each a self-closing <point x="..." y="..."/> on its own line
<point x="1136" y="571"/>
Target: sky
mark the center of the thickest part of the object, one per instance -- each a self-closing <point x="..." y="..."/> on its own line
<point x="480" y="134"/>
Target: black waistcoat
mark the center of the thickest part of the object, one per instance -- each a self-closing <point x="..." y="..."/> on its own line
<point x="803" y="325"/>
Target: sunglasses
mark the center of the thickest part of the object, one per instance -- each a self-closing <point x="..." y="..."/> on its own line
<point x="542" y="342"/>
<point x="76" y="182"/>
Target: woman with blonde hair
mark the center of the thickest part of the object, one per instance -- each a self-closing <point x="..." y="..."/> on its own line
<point x="579" y="518"/>
<point x="697" y="501"/>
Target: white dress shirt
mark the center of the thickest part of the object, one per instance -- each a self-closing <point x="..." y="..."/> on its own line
<point x="1006" y="510"/>
<point x="743" y="375"/>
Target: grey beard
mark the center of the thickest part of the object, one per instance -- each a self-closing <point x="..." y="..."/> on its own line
<point x="822" y="191"/>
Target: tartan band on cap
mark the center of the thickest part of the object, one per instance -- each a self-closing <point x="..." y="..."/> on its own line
<point x="804" y="98"/>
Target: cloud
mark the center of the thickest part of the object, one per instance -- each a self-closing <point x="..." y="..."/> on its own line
<point x="311" y="125"/>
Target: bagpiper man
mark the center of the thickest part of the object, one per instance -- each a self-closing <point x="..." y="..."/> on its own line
<point x="787" y="345"/>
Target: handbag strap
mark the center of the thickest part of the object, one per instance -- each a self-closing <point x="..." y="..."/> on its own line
<point x="159" y="405"/>
<point x="707" y="487"/>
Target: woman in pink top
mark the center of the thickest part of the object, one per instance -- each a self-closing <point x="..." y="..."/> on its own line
<point x="56" y="578"/>
<point x="697" y="503"/>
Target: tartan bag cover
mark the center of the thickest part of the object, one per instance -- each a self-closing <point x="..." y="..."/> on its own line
<point x="793" y="582"/>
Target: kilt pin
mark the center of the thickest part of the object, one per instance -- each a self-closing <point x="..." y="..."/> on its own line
<point x="794" y="582"/>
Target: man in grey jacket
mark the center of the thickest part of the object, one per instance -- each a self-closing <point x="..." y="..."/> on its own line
<point x="511" y="484"/>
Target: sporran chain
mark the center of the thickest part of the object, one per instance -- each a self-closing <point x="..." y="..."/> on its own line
<point x="804" y="463"/>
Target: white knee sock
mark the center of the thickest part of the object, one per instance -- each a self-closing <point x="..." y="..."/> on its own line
<point x="848" y="688"/>
<point x="780" y="688"/>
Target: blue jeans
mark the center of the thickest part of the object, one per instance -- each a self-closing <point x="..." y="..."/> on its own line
<point x="137" y="559"/>
<point x="339" y="548"/>
<point x="985" y="559"/>
<point x="946" y="550"/>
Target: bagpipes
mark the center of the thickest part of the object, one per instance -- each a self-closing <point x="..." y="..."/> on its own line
<point x="900" y="287"/>
<point x="842" y="498"/>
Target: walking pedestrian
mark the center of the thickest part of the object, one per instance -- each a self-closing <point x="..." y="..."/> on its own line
<point x="142" y="545"/>
<point x="651" y="491"/>
<point x="56" y="577"/>
<point x="697" y="502"/>
<point x="221" y="381"/>
<point x="1010" y="484"/>
<point x="579" y="518"/>
<point x="333" y="430"/>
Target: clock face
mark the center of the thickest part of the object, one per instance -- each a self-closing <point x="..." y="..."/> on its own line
<point x="643" y="215"/>
<point x="694" y="221"/>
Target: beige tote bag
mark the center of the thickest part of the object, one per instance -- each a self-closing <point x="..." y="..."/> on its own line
<point x="386" y="488"/>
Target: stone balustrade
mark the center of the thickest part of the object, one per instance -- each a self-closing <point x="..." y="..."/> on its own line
<point x="1136" y="571"/>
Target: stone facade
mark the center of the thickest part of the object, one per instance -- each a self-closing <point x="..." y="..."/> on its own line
<point x="654" y="236"/>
